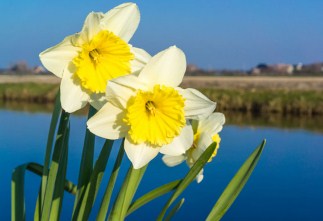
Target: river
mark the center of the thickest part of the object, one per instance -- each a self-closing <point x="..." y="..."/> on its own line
<point x="286" y="184"/>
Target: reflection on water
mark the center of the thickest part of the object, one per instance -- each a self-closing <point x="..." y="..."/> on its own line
<point x="311" y="123"/>
<point x="27" y="107"/>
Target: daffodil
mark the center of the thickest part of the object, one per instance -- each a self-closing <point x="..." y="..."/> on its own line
<point x="206" y="131"/>
<point x="150" y="110"/>
<point x="87" y="60"/>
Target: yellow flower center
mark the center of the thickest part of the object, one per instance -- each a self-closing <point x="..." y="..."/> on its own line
<point x="216" y="138"/>
<point x="104" y="57"/>
<point x="196" y="139"/>
<point x="156" y="116"/>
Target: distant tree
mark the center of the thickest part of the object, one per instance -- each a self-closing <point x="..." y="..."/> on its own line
<point x="262" y="66"/>
<point x="20" y="66"/>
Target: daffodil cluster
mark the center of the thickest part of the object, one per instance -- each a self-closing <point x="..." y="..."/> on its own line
<point x="137" y="96"/>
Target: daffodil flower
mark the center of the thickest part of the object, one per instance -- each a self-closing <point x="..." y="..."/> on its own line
<point x="206" y="131"/>
<point x="150" y="110"/>
<point x="87" y="60"/>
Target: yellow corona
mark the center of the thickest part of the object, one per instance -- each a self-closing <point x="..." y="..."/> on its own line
<point x="103" y="58"/>
<point x="156" y="116"/>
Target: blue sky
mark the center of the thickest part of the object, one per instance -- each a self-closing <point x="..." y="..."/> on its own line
<point x="216" y="34"/>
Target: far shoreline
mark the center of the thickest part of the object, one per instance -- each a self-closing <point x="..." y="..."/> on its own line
<point x="250" y="94"/>
<point x="218" y="82"/>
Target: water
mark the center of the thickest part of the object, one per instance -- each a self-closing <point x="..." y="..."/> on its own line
<point x="286" y="184"/>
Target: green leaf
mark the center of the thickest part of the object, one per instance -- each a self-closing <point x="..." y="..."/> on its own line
<point x="190" y="176"/>
<point x="175" y="210"/>
<point x="53" y="124"/>
<point x="126" y="194"/>
<point x="18" y="194"/>
<point x="37" y="212"/>
<point x="57" y="161"/>
<point x="17" y="190"/>
<point x="82" y="211"/>
<point x="59" y="185"/>
<point x="86" y="165"/>
<point x="108" y="192"/>
<point x="153" y="195"/>
<point x="235" y="186"/>
<point x="37" y="169"/>
<point x="49" y="146"/>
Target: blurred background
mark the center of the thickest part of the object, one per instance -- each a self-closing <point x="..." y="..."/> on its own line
<point x="261" y="61"/>
<point x="214" y="34"/>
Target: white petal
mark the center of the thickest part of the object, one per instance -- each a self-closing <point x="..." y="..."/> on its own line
<point x="212" y="124"/>
<point x="98" y="100"/>
<point x="119" y="90"/>
<point x="57" y="58"/>
<point x="205" y="140"/>
<point x="122" y="20"/>
<point x="108" y="123"/>
<point x="140" y="154"/>
<point x="194" y="156"/>
<point x="199" y="176"/>
<point x="197" y="106"/>
<point x="172" y="161"/>
<point x="91" y="26"/>
<point x="141" y="59"/>
<point x="180" y="143"/>
<point x="167" y="68"/>
<point x="73" y="97"/>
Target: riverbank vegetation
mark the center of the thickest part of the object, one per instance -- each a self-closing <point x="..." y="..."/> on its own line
<point x="256" y="100"/>
<point x="295" y="102"/>
<point x="28" y="92"/>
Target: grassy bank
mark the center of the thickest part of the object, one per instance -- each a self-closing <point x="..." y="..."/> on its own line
<point x="295" y="102"/>
<point x="28" y="92"/>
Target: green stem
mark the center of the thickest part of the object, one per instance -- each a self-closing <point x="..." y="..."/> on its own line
<point x="57" y="160"/>
<point x="86" y="165"/>
<point x="37" y="169"/>
<point x="45" y="170"/>
<point x="83" y="209"/>
<point x="126" y="193"/>
<point x="59" y="184"/>
<point x="190" y="176"/>
<point x="49" y="146"/>
<point x="108" y="192"/>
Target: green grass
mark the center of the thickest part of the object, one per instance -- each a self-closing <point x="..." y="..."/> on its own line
<point x="28" y="92"/>
<point x="293" y="102"/>
<point x="268" y="101"/>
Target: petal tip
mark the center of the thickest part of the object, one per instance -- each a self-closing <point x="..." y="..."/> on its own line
<point x="175" y="49"/>
<point x="129" y="5"/>
<point x="199" y="178"/>
<point x="89" y="123"/>
<point x="214" y="105"/>
<point x="137" y="166"/>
